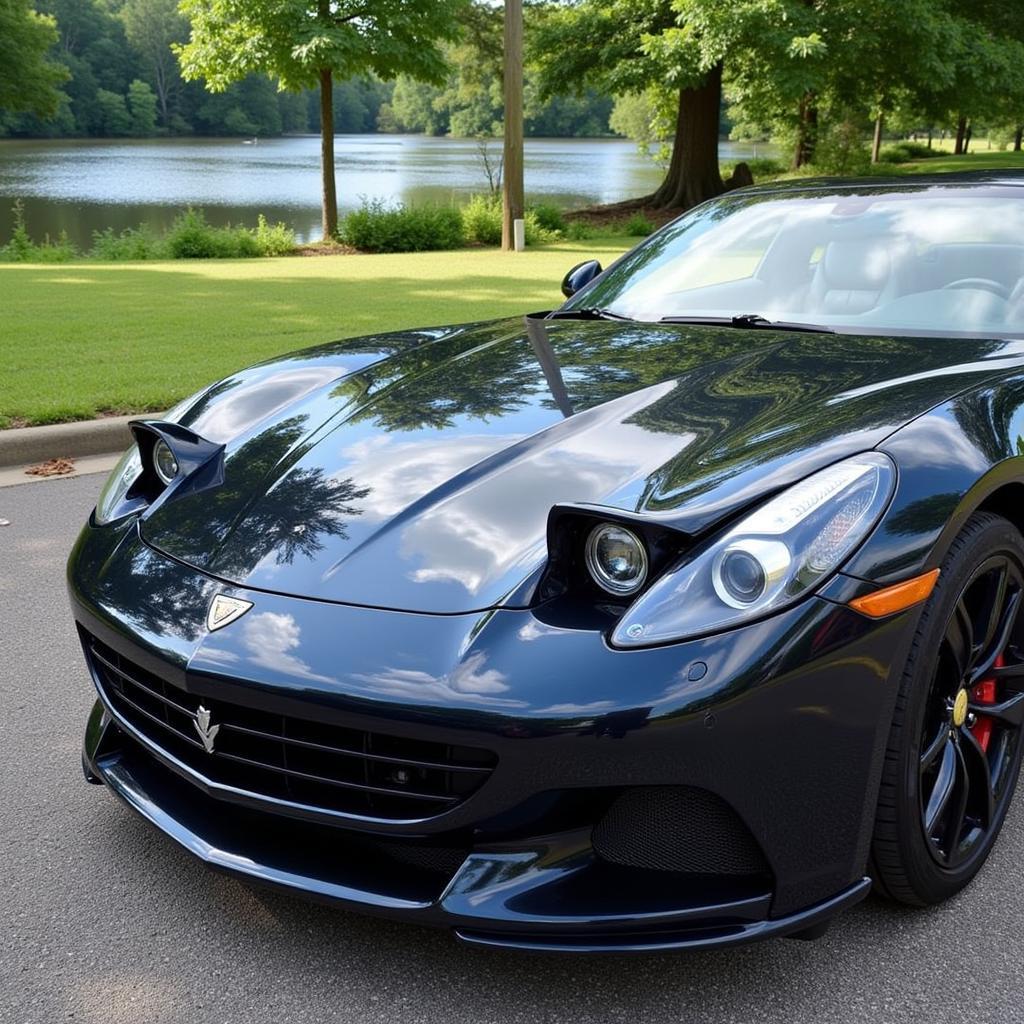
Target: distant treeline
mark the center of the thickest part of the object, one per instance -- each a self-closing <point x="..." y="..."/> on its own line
<point x="125" y="81"/>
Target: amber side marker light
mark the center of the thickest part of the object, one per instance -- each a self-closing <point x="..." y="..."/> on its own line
<point x="897" y="597"/>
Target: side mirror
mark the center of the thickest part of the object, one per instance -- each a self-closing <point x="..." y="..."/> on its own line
<point x="579" y="277"/>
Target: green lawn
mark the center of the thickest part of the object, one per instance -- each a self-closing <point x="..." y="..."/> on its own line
<point x="982" y="160"/>
<point x="81" y="339"/>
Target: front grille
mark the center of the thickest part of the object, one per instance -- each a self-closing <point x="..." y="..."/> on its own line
<point x="299" y="760"/>
<point x="677" y="828"/>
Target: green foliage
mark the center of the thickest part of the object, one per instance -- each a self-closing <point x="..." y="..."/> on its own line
<point x="905" y="151"/>
<point x="638" y="226"/>
<point x="294" y="39"/>
<point x="29" y="76"/>
<point x="634" y="116"/>
<point x="548" y="217"/>
<point x="482" y="216"/>
<point x="761" y="167"/>
<point x="22" y="249"/>
<point x="131" y="244"/>
<point x="274" y="239"/>
<point x="842" y="149"/>
<point x="142" y="106"/>
<point x="481" y="219"/>
<point x="377" y="227"/>
<point x="112" y="112"/>
<point x="152" y="27"/>
<point x="580" y="231"/>
<point x="191" y="237"/>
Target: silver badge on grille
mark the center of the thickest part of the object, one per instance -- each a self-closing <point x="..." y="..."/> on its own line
<point x="224" y="610"/>
<point x="207" y="732"/>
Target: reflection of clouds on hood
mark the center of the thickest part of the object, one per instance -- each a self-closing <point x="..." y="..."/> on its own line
<point x="259" y="399"/>
<point x="269" y="637"/>
<point x="576" y="709"/>
<point x="469" y="681"/>
<point x="498" y="523"/>
<point x="400" y="472"/>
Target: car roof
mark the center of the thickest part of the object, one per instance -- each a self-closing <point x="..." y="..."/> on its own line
<point x="889" y="182"/>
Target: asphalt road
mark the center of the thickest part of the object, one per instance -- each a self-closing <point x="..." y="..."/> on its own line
<point x="104" y="920"/>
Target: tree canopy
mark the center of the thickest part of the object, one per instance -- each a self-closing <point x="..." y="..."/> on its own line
<point x="29" y="77"/>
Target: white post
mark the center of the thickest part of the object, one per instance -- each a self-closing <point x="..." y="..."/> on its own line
<point x="519" y="234"/>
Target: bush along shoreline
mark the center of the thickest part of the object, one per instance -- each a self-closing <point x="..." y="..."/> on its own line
<point x="376" y="227"/>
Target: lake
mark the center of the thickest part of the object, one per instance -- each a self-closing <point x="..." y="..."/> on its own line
<point x="84" y="185"/>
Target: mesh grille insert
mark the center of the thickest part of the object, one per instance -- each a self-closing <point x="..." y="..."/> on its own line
<point x="677" y="828"/>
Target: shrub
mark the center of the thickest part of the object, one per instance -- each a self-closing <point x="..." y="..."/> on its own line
<point x="377" y="227"/>
<point x="579" y="231"/>
<point x="274" y="239"/>
<point x="481" y="220"/>
<point x="191" y="238"/>
<point x="131" y="244"/>
<point x="21" y="248"/>
<point x="904" y="152"/>
<point x="548" y="217"/>
<point x="638" y="225"/>
<point x="761" y="167"/>
<point x="842" y="149"/>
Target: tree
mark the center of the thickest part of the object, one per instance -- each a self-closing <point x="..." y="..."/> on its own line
<point x="142" y="107"/>
<point x="631" y="46"/>
<point x="29" y="77"/>
<point x="152" y="26"/>
<point x="113" y="114"/>
<point x="304" y="43"/>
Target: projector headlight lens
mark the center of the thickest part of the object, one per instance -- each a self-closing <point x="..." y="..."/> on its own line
<point x="164" y="462"/>
<point x="616" y="559"/>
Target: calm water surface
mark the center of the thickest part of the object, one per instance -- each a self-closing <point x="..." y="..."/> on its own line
<point x="81" y="186"/>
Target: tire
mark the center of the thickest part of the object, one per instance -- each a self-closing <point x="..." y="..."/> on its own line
<point x="907" y="864"/>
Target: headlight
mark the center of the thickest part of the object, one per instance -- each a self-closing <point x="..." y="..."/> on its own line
<point x="164" y="462"/>
<point x="616" y="559"/>
<point x="769" y="560"/>
<point x="126" y="472"/>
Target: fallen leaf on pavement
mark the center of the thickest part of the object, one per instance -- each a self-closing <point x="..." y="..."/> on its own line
<point x="52" y="467"/>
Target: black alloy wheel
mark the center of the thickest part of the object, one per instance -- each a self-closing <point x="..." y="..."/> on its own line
<point x="955" y="747"/>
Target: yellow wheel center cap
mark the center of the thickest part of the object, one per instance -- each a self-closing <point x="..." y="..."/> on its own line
<point x="960" y="709"/>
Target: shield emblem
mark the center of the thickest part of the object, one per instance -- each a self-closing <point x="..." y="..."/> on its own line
<point x="224" y="610"/>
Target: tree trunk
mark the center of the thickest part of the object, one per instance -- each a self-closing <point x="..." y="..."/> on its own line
<point x="1018" y="138"/>
<point x="693" y="173"/>
<point x="329" y="218"/>
<point x="961" y="131"/>
<point x="513" y="200"/>
<point x="929" y="136"/>
<point x="807" y="130"/>
<point x="876" y="145"/>
<point x="967" y="137"/>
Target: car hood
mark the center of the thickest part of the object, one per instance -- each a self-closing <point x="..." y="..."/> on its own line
<point x="416" y="471"/>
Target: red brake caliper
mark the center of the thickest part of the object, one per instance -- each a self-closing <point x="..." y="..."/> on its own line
<point x="985" y="693"/>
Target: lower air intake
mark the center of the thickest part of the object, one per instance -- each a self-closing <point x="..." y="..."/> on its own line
<point x="677" y="828"/>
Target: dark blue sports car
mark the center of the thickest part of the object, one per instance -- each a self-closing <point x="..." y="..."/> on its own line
<point x="677" y="617"/>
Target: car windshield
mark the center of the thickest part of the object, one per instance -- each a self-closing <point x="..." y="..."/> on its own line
<point x="943" y="261"/>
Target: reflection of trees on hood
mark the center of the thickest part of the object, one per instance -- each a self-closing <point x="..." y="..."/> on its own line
<point x="786" y="388"/>
<point x="238" y="523"/>
<point x="431" y="393"/>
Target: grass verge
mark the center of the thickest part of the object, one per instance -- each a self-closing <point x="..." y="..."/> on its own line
<point x="82" y="339"/>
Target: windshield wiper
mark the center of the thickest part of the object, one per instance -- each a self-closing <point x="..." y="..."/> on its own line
<point x="753" y="321"/>
<point x="587" y="313"/>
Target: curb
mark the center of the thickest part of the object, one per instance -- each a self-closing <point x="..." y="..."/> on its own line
<point x="23" y="445"/>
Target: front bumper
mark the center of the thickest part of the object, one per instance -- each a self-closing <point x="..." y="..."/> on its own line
<point x="783" y="721"/>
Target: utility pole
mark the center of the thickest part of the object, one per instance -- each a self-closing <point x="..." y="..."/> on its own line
<point x="512" y="230"/>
